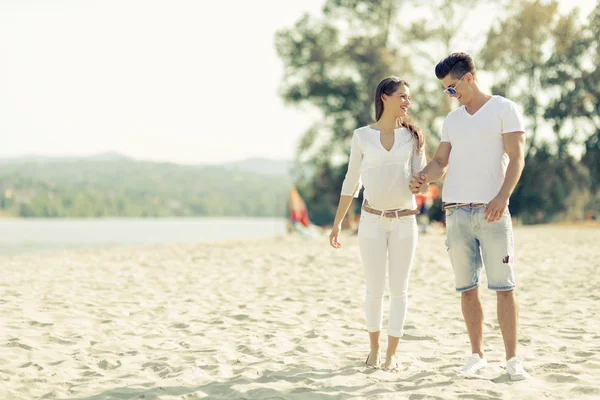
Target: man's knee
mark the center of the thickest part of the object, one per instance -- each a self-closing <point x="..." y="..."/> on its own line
<point x="471" y="294"/>
<point x="505" y="294"/>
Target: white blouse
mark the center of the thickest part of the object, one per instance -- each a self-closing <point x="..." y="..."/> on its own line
<point x="384" y="174"/>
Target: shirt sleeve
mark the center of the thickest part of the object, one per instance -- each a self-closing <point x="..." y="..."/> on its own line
<point x="419" y="161"/>
<point x="445" y="137"/>
<point x="512" y="119"/>
<point x="352" y="182"/>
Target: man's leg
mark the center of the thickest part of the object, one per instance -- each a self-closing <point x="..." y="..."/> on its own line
<point x="497" y="248"/>
<point x="465" y="256"/>
<point x="473" y="315"/>
<point x="508" y="319"/>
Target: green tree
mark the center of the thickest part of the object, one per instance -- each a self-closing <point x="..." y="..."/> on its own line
<point x="573" y="72"/>
<point x="514" y="49"/>
<point x="334" y="62"/>
<point x="537" y="54"/>
<point x="549" y="187"/>
<point x="430" y="39"/>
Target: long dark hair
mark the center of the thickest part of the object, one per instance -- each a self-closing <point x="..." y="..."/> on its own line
<point x="388" y="86"/>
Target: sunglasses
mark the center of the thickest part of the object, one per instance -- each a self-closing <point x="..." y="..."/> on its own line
<point x="451" y="90"/>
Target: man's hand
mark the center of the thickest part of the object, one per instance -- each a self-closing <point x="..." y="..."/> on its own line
<point x="418" y="183"/>
<point x="495" y="208"/>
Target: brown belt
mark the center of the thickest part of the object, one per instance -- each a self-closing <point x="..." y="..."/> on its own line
<point x="389" y="213"/>
<point x="462" y="205"/>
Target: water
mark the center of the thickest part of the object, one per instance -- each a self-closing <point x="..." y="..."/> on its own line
<point x="19" y="236"/>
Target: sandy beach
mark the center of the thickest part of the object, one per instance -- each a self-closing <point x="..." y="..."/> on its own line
<point x="282" y="318"/>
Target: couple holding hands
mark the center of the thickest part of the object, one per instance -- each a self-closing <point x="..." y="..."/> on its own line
<point x="481" y="155"/>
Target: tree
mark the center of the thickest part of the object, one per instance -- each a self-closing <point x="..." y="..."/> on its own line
<point x="334" y="62"/>
<point x="540" y="56"/>
<point x="515" y="49"/>
<point x="551" y="188"/>
<point x="572" y="70"/>
<point x="430" y="39"/>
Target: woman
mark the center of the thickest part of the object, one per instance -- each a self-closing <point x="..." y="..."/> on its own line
<point x="383" y="157"/>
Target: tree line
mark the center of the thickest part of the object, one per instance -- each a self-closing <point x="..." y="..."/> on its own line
<point x="543" y="60"/>
<point x="85" y="188"/>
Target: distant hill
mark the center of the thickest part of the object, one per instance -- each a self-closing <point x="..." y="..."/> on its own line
<point x="112" y="185"/>
<point x="262" y="166"/>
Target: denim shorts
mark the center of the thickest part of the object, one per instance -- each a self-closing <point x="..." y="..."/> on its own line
<point x="473" y="242"/>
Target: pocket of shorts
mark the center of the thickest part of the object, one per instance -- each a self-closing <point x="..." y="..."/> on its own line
<point x="450" y="211"/>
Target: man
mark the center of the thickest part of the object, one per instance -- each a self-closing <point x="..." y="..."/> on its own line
<point x="481" y="153"/>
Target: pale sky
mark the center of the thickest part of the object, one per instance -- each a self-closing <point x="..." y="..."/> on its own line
<point x="180" y="81"/>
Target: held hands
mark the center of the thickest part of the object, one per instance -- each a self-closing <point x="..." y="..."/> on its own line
<point x="495" y="208"/>
<point x="418" y="183"/>
<point x="333" y="237"/>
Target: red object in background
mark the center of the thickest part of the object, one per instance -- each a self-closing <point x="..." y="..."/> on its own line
<point x="432" y="194"/>
<point x="298" y="211"/>
<point x="299" y="216"/>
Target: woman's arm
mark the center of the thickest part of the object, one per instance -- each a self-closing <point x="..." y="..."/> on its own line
<point x="343" y="206"/>
<point x="350" y="189"/>
<point x="419" y="161"/>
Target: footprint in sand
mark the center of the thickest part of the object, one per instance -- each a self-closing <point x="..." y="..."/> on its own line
<point x="561" y="378"/>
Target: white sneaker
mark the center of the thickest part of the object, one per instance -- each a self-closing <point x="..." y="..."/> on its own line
<point x="474" y="364"/>
<point x="515" y="370"/>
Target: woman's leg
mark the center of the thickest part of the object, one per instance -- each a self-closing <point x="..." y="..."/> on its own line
<point x="402" y="244"/>
<point x="373" y="250"/>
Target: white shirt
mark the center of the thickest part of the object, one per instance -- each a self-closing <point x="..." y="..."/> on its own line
<point x="384" y="174"/>
<point x="477" y="164"/>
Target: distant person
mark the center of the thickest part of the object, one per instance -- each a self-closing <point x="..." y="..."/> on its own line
<point x="481" y="153"/>
<point x="383" y="157"/>
<point x="297" y="207"/>
<point x="424" y="203"/>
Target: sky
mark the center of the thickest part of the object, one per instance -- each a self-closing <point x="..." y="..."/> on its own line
<point x="183" y="81"/>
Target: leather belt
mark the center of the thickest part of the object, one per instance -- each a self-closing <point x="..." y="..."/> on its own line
<point x="462" y="205"/>
<point x="389" y="213"/>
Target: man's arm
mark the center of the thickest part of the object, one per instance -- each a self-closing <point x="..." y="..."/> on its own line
<point x="434" y="171"/>
<point x="514" y="145"/>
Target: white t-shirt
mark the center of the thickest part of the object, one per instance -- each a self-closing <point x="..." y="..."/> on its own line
<point x="477" y="164"/>
<point x="384" y="174"/>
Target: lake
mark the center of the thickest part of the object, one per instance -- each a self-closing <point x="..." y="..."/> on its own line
<point x="19" y="236"/>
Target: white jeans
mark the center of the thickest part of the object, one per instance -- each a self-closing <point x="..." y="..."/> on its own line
<point x="378" y="237"/>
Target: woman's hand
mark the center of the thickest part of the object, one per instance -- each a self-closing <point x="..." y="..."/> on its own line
<point x="418" y="183"/>
<point x="333" y="237"/>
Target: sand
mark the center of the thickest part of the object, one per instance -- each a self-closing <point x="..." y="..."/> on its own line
<point x="282" y="318"/>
